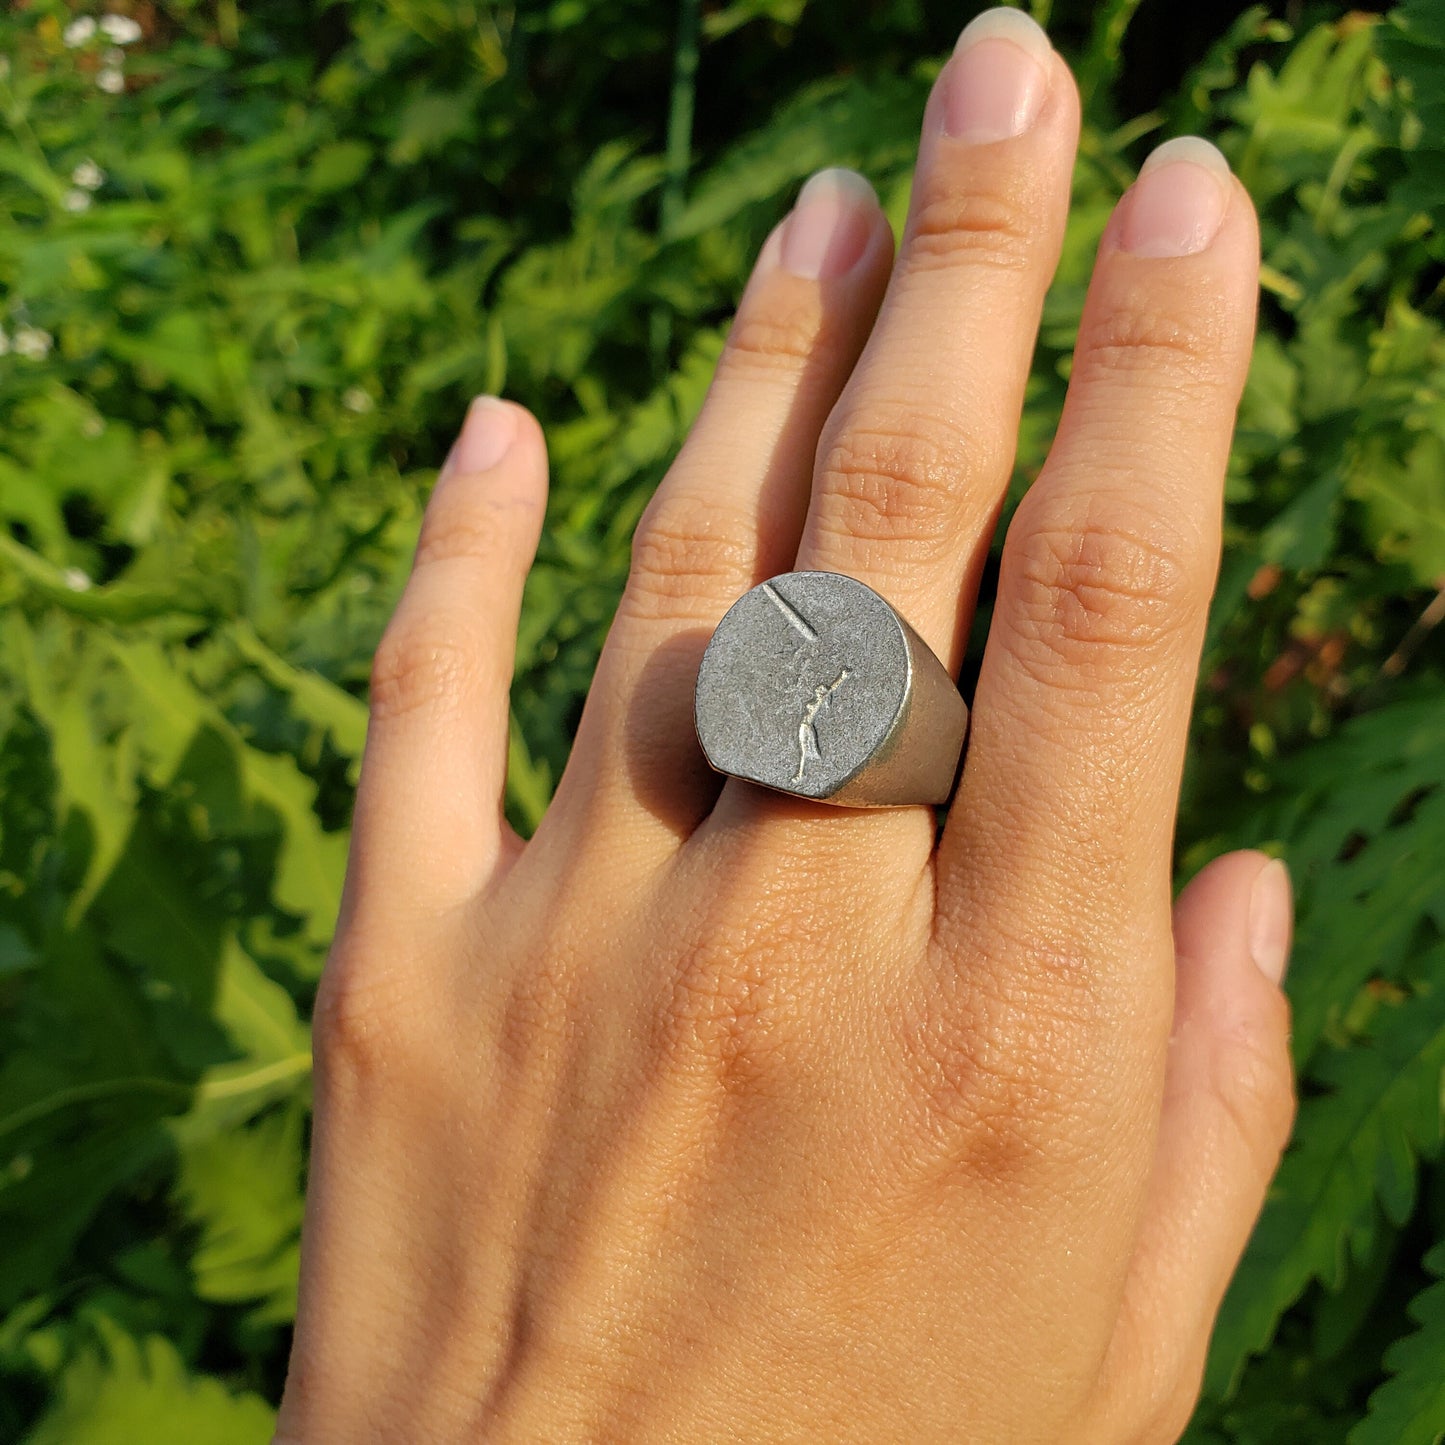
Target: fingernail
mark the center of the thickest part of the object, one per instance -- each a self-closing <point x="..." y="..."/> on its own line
<point x="1271" y="920"/>
<point x="486" y="436"/>
<point x="1177" y="205"/>
<point x="828" y="229"/>
<point x="998" y="77"/>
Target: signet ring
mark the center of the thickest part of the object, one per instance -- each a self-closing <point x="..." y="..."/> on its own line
<point x="813" y="685"/>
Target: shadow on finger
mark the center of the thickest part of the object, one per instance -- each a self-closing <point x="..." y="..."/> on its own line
<point x="666" y="770"/>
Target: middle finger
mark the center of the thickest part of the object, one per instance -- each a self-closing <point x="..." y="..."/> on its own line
<point x="915" y="458"/>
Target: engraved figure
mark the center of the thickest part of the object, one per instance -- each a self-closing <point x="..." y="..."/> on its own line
<point x="807" y="730"/>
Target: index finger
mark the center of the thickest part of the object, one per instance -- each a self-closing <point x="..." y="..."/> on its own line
<point x="1067" y="803"/>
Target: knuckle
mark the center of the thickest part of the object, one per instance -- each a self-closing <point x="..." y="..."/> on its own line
<point x="1092" y="585"/>
<point x="973" y="227"/>
<point x="728" y="1011"/>
<point x="686" y="552"/>
<point x="879" y="485"/>
<point x="420" y="663"/>
<point x="481" y="529"/>
<point x="774" y="338"/>
<point x="998" y="1069"/>
<point x="1140" y="337"/>
<point x="543" y="1006"/>
<point x="1253" y="1080"/>
<point x="362" y="1029"/>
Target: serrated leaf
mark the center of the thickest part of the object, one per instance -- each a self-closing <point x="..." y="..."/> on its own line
<point x="242" y="1188"/>
<point x="1409" y="1408"/>
<point x="252" y="791"/>
<point x="1361" y="819"/>
<point x="1356" y="1152"/>
<point x="872" y="127"/>
<point x="120" y="1390"/>
<point x="1405" y="505"/>
<point x="270" y="1056"/>
<point x="1412" y="43"/>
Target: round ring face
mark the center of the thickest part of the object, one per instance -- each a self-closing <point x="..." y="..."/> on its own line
<point x="803" y="680"/>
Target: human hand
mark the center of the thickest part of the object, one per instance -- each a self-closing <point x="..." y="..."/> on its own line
<point x="715" y="1114"/>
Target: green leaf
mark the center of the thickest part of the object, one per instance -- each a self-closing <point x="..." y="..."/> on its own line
<point x="180" y="349"/>
<point x="1361" y="819"/>
<point x="95" y="791"/>
<point x="1409" y="1408"/>
<point x="270" y="1051"/>
<point x="529" y="785"/>
<point x="243" y="1189"/>
<point x="872" y="126"/>
<point x="1303" y="534"/>
<point x="311" y="862"/>
<point x="427" y="122"/>
<point x="1405" y="505"/>
<point x="16" y="952"/>
<point x="1412" y="43"/>
<point x="126" y="600"/>
<point x="315" y="699"/>
<point x="1356" y="1152"/>
<point x="120" y="1390"/>
<point x="339" y="165"/>
<point x="742" y="12"/>
<point x="251" y="791"/>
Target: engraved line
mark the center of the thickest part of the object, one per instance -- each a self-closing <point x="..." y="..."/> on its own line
<point x="790" y="613"/>
<point x="807" y="733"/>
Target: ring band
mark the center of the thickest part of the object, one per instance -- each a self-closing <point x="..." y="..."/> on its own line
<point x="813" y="685"/>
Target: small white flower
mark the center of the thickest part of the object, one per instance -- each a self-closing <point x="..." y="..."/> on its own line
<point x="78" y="32"/>
<point x="32" y="343"/>
<point x="357" y="399"/>
<point x="111" y="81"/>
<point x="76" y="580"/>
<point x="4" y="344"/>
<point x="120" y="28"/>
<point x="76" y="200"/>
<point x="88" y="176"/>
<point x="112" y="57"/>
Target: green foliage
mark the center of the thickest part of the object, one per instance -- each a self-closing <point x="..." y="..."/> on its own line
<point x="120" y="1390"/>
<point x="1353" y="1169"/>
<point x="1409" y="1409"/>
<point x="244" y="301"/>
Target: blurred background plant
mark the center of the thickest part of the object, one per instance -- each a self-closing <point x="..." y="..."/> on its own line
<point x="252" y="264"/>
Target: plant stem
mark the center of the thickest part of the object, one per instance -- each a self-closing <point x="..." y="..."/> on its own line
<point x="1421" y="628"/>
<point x="1100" y="62"/>
<point x="679" y="150"/>
<point x="680" y="112"/>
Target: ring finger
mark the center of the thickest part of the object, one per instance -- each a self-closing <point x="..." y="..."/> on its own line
<point x="730" y="509"/>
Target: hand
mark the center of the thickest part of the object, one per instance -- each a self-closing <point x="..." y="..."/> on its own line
<point x="711" y="1114"/>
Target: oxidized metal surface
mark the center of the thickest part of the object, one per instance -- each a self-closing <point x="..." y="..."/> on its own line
<point x="814" y="685"/>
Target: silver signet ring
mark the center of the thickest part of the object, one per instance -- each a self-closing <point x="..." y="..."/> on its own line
<point x="813" y="685"/>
